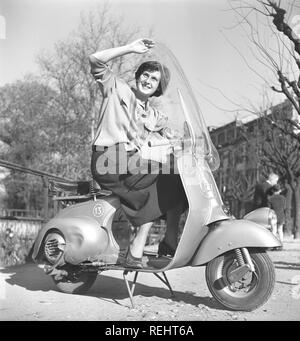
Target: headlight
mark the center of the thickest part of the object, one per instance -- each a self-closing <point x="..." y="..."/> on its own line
<point x="272" y="219"/>
<point x="264" y="216"/>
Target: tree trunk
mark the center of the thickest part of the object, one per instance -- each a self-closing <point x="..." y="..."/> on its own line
<point x="93" y="111"/>
<point x="297" y="212"/>
<point x="242" y="209"/>
<point x="289" y="220"/>
<point x="46" y="200"/>
<point x="239" y="208"/>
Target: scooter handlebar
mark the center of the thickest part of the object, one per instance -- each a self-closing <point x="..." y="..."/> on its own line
<point x="185" y="142"/>
<point x="179" y="143"/>
<point x="162" y="143"/>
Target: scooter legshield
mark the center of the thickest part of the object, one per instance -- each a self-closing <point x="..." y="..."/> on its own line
<point x="232" y="234"/>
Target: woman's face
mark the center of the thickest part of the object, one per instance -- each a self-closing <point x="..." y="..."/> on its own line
<point x="148" y="83"/>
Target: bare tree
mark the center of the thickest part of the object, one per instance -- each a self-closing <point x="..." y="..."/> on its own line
<point x="275" y="45"/>
<point x="281" y="152"/>
<point x="240" y="189"/>
<point x="68" y="70"/>
<point x="48" y="123"/>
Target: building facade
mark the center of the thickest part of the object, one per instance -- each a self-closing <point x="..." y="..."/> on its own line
<point x="239" y="144"/>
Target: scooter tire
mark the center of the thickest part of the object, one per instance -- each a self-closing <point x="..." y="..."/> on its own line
<point x="75" y="282"/>
<point x="260" y="286"/>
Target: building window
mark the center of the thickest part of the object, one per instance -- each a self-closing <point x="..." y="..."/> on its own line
<point x="230" y="135"/>
<point x="251" y="128"/>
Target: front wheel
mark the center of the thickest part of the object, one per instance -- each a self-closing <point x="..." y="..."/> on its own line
<point x="73" y="280"/>
<point x="251" y="291"/>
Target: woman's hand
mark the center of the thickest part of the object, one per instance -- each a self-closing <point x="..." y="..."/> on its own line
<point x="141" y="45"/>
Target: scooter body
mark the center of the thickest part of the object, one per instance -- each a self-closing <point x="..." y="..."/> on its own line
<point x="92" y="234"/>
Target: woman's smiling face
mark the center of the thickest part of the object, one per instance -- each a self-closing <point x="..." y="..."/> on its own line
<point x="148" y="83"/>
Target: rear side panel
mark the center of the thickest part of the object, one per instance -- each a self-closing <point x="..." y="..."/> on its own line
<point x="83" y="228"/>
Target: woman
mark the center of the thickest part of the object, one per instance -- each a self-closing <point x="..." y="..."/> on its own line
<point x="126" y="123"/>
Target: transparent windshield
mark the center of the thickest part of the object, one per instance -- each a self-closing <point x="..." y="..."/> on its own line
<point x="180" y="106"/>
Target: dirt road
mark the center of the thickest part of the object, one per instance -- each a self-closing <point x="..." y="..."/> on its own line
<point x="27" y="294"/>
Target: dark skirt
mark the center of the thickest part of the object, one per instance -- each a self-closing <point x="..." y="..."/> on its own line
<point x="148" y="196"/>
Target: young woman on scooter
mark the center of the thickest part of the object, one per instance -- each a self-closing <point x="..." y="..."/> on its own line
<point x="127" y="123"/>
<point x="86" y="237"/>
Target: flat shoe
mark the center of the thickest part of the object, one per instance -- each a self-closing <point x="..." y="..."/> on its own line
<point x="133" y="262"/>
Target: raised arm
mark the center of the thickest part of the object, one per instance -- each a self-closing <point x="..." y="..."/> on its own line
<point x="138" y="46"/>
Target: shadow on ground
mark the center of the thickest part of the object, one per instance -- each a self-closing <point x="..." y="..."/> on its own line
<point x="106" y="287"/>
<point x="287" y="265"/>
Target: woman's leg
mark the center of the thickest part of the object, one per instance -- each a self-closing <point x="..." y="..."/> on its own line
<point x="280" y="232"/>
<point x="274" y="230"/>
<point x="138" y="244"/>
<point x="173" y="219"/>
<point x="172" y="200"/>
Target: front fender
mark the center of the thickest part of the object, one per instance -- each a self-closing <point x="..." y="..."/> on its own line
<point x="84" y="237"/>
<point x="231" y="234"/>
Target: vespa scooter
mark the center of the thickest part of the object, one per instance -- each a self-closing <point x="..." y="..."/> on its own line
<point x="91" y="233"/>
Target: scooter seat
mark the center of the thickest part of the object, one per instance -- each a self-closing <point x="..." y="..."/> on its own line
<point x="59" y="188"/>
<point x="56" y="187"/>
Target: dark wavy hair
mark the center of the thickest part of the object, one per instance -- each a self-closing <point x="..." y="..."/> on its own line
<point x="155" y="66"/>
<point x="274" y="189"/>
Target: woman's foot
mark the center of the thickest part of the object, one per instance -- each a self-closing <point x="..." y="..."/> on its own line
<point x="133" y="262"/>
<point x="165" y="250"/>
<point x="136" y="248"/>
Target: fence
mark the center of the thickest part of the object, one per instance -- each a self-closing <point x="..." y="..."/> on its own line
<point x="45" y="178"/>
<point x="18" y="227"/>
<point x="21" y="214"/>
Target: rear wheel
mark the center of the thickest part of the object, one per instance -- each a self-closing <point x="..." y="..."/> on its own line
<point x="71" y="279"/>
<point x="251" y="291"/>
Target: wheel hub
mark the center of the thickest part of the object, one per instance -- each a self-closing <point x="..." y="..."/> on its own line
<point x="244" y="283"/>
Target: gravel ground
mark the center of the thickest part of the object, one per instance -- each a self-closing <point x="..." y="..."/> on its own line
<point x="27" y="294"/>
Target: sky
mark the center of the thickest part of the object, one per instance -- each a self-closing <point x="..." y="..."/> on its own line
<point x="199" y="32"/>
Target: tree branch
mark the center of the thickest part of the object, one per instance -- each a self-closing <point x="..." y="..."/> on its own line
<point x="282" y="26"/>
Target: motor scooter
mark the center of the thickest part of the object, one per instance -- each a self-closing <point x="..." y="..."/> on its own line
<point x="91" y="233"/>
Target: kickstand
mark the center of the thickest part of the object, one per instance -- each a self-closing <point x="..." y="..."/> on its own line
<point x="130" y="289"/>
<point x="165" y="280"/>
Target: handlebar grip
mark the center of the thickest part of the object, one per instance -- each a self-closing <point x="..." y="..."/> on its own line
<point x="158" y="143"/>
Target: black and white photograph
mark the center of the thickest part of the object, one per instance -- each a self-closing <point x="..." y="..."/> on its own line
<point x="149" y="163"/>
